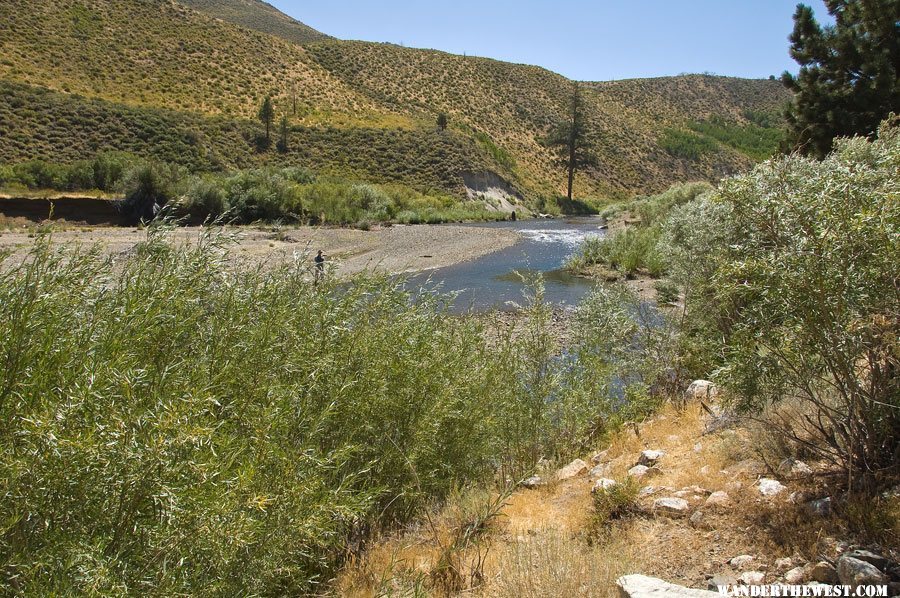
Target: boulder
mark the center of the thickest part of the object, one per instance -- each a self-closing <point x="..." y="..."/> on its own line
<point x="741" y="561"/>
<point x="573" y="469"/>
<point x="854" y="572"/>
<point x="649" y="458"/>
<point x="770" y="487"/>
<point x="639" y="471"/>
<point x="797" y="576"/>
<point x="701" y="390"/>
<point x="598" y="471"/>
<point x="673" y="507"/>
<point x="879" y="562"/>
<point x="533" y="482"/>
<point x="603" y="484"/>
<point x="824" y="572"/>
<point x="643" y="586"/>
<point x="718" y="499"/>
<point x="753" y="578"/>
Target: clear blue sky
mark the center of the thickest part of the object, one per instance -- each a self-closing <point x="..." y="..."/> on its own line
<point x="582" y="39"/>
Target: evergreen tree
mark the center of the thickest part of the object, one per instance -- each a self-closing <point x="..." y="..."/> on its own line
<point x="847" y="82"/>
<point x="442" y="121"/>
<point x="569" y="140"/>
<point x="267" y="116"/>
<point x="283" y="130"/>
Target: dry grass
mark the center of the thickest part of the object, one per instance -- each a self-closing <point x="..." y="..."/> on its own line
<point x="542" y="547"/>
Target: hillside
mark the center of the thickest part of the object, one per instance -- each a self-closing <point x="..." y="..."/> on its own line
<point x="216" y="59"/>
<point x="259" y="16"/>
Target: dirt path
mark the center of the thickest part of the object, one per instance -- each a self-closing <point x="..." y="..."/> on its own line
<point x="388" y="249"/>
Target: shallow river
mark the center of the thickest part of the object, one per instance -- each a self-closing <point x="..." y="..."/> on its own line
<point x="495" y="280"/>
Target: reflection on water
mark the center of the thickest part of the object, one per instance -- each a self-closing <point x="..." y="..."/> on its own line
<point x="498" y="279"/>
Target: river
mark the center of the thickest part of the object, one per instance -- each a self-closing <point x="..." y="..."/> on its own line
<point x="496" y="280"/>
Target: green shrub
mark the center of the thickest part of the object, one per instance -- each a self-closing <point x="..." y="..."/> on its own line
<point x="145" y="425"/>
<point x="148" y="187"/>
<point x="615" y="502"/>
<point x="803" y="298"/>
<point x="689" y="146"/>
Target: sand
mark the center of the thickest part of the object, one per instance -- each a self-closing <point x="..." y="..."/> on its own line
<point x="393" y="249"/>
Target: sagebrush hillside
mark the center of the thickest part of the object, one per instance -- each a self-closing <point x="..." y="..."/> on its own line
<point x="217" y="59"/>
<point x="260" y="16"/>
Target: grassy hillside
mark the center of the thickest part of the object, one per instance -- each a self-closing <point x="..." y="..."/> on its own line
<point x="258" y="15"/>
<point x="360" y="109"/>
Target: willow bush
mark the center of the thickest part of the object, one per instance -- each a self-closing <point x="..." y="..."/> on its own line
<point x="172" y="422"/>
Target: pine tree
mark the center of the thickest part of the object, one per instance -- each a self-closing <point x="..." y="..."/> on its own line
<point x="442" y="121"/>
<point x="283" y="130"/>
<point x="569" y="141"/>
<point x="267" y="116"/>
<point x="847" y="82"/>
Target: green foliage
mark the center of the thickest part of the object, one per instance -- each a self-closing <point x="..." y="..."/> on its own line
<point x="148" y="187"/>
<point x="442" y="121"/>
<point x="283" y="132"/>
<point x="688" y="146"/>
<point x="266" y="115"/>
<point x="637" y="248"/>
<point x="849" y="79"/>
<point x="615" y="502"/>
<point x="793" y="277"/>
<point x="569" y="139"/>
<point x="757" y="142"/>
<point x="144" y="424"/>
<point x="666" y="292"/>
<point x="500" y="155"/>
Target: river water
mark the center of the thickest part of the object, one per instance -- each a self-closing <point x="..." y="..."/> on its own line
<point x="496" y="280"/>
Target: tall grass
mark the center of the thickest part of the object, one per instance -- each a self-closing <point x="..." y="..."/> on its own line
<point x="170" y="423"/>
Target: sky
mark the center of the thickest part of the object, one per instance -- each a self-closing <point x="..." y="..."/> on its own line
<point x="586" y="40"/>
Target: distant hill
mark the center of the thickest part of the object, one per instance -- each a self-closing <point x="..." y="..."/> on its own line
<point x="358" y="109"/>
<point x="260" y="16"/>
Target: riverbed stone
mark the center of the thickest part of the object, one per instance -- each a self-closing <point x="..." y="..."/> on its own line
<point x="532" y="482"/>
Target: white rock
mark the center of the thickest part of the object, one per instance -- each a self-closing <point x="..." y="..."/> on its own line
<point x="677" y="507"/>
<point x="717" y="499"/>
<point x="741" y="561"/>
<point x="770" y="487"/>
<point x="647" y="490"/>
<point x="753" y="578"/>
<point x="598" y="471"/>
<point x="638" y="471"/>
<point x="573" y="469"/>
<point x="698" y="520"/>
<point x="701" y="389"/>
<point x="855" y="572"/>
<point x="649" y="458"/>
<point x="603" y="484"/>
<point x="796" y="576"/>
<point x="698" y="447"/>
<point x="642" y="586"/>
<point x="532" y="482"/>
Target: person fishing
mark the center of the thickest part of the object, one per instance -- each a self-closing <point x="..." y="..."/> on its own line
<point x="320" y="266"/>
